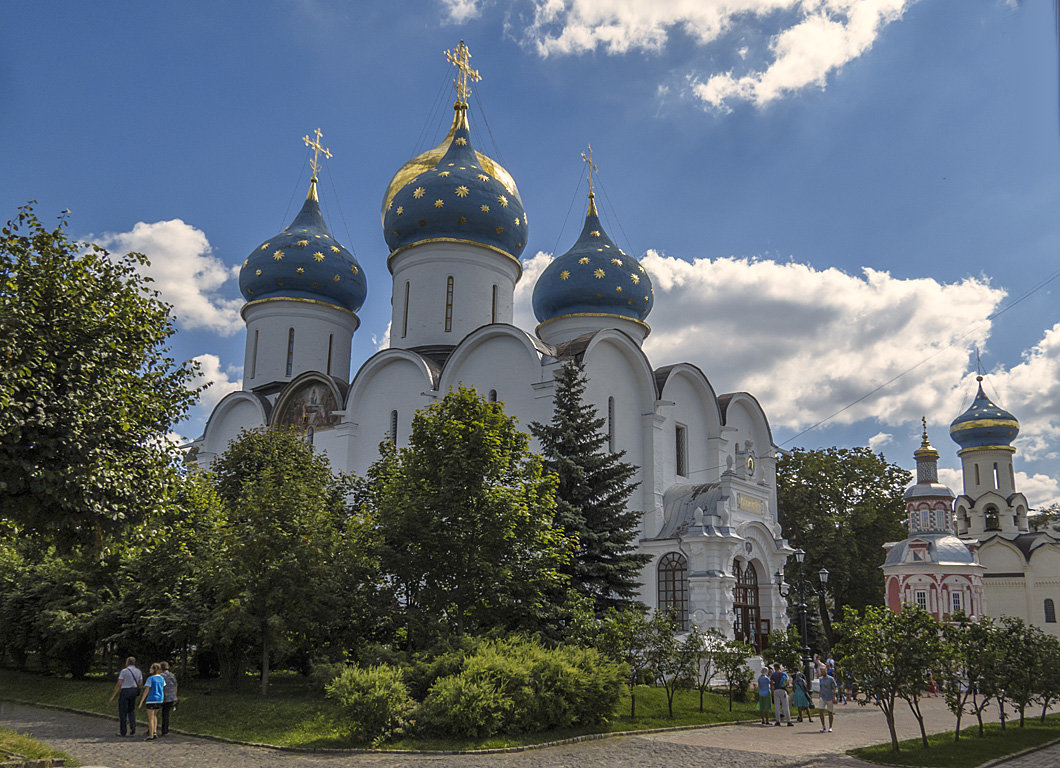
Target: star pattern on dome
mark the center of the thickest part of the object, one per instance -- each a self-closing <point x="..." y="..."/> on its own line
<point x="583" y="260"/>
<point x="483" y="177"/>
<point x="318" y="256"/>
<point x="462" y="191"/>
<point x="462" y="220"/>
<point x="635" y="278"/>
<point x="300" y="271"/>
<point x="302" y="243"/>
<point x="418" y="192"/>
<point x="595" y="233"/>
<point x="264" y="246"/>
<point x="598" y="274"/>
<point x="499" y="230"/>
<point x="618" y="289"/>
<point x="257" y="272"/>
<point x="564" y="275"/>
<point x="502" y="200"/>
<point x="388" y="204"/>
<point x="439" y="203"/>
<point x="336" y="278"/>
<point x="353" y="269"/>
<point x="336" y="249"/>
<point x="278" y="255"/>
<point x="443" y="174"/>
<point x="484" y="208"/>
<point x="461" y="141"/>
<point x="400" y="210"/>
<point x="617" y="262"/>
<point x="517" y="222"/>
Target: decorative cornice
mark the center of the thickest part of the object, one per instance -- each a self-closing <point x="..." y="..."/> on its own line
<point x="647" y="328"/>
<point x="457" y="240"/>
<point x="975" y="448"/>
<point x="295" y="298"/>
<point x="977" y="423"/>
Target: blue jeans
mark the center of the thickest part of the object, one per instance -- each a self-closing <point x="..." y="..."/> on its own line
<point x="127" y="710"/>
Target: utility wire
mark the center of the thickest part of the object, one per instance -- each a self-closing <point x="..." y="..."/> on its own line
<point x="933" y="355"/>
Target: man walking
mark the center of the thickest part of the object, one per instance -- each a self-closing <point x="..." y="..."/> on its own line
<point x="779" y="681"/>
<point x="128" y="685"/>
<point x="828" y="692"/>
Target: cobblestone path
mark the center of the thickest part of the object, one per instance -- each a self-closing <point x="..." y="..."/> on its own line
<point x="92" y="741"/>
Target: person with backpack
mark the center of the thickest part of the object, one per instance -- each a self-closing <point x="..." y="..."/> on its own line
<point x="801" y="699"/>
<point x="779" y="681"/>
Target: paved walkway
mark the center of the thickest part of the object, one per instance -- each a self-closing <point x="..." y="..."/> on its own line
<point x="92" y="741"/>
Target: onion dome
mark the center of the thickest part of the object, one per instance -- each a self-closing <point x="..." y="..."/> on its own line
<point x="927" y="472"/>
<point x="984" y="425"/>
<point x="595" y="277"/>
<point x="459" y="196"/>
<point x="304" y="262"/>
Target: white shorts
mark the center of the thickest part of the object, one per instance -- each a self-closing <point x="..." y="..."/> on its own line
<point x="827" y="705"/>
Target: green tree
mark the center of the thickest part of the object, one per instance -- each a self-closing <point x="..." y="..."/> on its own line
<point x="1022" y="661"/>
<point x="464" y="514"/>
<point x="1049" y="684"/>
<point x="88" y="390"/>
<point x="703" y="646"/>
<point x="625" y="636"/>
<point x="893" y="654"/>
<point x="730" y="657"/>
<point x="594" y="488"/>
<point x="841" y="505"/>
<point x="785" y="647"/>
<point x="670" y="658"/>
<point x="285" y="514"/>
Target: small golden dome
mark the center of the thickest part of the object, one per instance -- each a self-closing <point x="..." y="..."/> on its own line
<point x="425" y="161"/>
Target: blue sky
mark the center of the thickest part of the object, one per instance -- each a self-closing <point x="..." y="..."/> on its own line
<point x="826" y="192"/>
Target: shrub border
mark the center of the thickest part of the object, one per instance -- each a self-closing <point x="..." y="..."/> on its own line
<point x="368" y="751"/>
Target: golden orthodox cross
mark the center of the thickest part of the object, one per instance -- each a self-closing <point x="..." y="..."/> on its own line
<point x="587" y="156"/>
<point x="317" y="148"/>
<point x="464" y="71"/>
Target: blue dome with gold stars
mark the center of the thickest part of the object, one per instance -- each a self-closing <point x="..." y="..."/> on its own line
<point x="304" y="262"/>
<point x="595" y="277"/>
<point x="457" y="199"/>
<point x="984" y="425"/>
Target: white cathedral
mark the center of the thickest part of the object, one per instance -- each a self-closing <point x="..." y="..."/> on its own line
<point x="455" y="226"/>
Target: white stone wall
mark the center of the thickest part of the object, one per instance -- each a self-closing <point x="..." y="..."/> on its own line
<point x="318" y="328"/>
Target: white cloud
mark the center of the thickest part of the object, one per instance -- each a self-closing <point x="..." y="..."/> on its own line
<point x="222" y="380"/>
<point x="807" y="342"/>
<point x="383" y="342"/>
<point x="808" y="39"/>
<point x="185" y="272"/>
<point x="879" y="440"/>
<point x="524" y="290"/>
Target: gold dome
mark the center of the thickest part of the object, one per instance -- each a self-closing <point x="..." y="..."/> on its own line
<point x="427" y="160"/>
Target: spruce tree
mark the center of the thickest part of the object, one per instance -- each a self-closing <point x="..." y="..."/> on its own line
<point x="594" y="487"/>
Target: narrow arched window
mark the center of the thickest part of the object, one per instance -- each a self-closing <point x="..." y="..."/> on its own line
<point x="673" y="585"/>
<point x="290" y="350"/>
<point x="492" y="396"/>
<point x="449" y="304"/>
<point x="331" y="340"/>
<point x="997" y="479"/>
<point x="1011" y="476"/>
<point x="681" y="450"/>
<point x="993" y="522"/>
<point x="977" y="480"/>
<point x="405" y="312"/>
<point x="393" y="427"/>
<point x="611" y="424"/>
<point x="254" y="355"/>
<point x="1050" y="611"/>
<point x="493" y="306"/>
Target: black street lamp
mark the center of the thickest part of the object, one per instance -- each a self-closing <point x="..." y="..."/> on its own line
<point x="803" y="589"/>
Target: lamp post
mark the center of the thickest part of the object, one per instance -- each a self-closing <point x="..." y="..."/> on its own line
<point x="803" y="589"/>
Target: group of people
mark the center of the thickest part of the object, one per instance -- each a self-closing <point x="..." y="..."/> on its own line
<point x="773" y="696"/>
<point x="158" y="693"/>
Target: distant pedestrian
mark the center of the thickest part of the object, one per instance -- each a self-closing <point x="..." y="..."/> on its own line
<point x="828" y="691"/>
<point x="765" y="696"/>
<point x="781" y="707"/>
<point x="127" y="686"/>
<point x="801" y="699"/>
<point x="169" y="696"/>
<point x="153" y="695"/>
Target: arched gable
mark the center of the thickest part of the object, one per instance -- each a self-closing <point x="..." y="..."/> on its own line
<point x="639" y="370"/>
<point x="310" y="400"/>
<point x="497" y="356"/>
<point x="669" y="381"/>
<point x="1001" y="556"/>
<point x="743" y="411"/>
<point x="408" y="362"/>
<point x="235" y="412"/>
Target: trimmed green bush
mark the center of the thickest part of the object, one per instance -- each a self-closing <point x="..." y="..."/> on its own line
<point x="518" y="686"/>
<point x="375" y="699"/>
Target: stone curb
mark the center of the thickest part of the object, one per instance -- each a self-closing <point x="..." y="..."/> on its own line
<point x="1014" y="755"/>
<point x="363" y="751"/>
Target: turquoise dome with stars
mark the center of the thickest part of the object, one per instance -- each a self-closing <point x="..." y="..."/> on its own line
<point x="984" y="425"/>
<point x="457" y="199"/>
<point x="595" y="277"/>
<point x="304" y="262"/>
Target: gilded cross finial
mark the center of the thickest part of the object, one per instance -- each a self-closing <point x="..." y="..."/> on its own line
<point x="317" y="148"/>
<point x="464" y="72"/>
<point x="587" y="156"/>
<point x="923" y="420"/>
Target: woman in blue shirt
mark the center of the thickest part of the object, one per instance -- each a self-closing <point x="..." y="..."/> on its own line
<point x="154" y="688"/>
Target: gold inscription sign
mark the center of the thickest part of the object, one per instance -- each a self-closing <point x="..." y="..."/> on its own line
<point x="747" y="503"/>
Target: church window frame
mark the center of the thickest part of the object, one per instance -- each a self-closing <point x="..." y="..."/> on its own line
<point x="449" y="304"/>
<point x="492" y="396"/>
<point x="956" y="601"/>
<point x="405" y="312"/>
<point x="992" y="519"/>
<point x="611" y="424"/>
<point x="290" y="351"/>
<point x="1050" y="611"/>
<point x="672" y="572"/>
<point x="254" y="355"/>
<point x="921" y="599"/>
<point x="331" y="341"/>
<point x="748" y="626"/>
<point x="997" y="478"/>
<point x="493" y="306"/>
<point x="681" y="450"/>
<point x="977" y="480"/>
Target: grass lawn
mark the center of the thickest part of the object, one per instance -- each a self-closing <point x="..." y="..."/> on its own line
<point x="295" y="715"/>
<point x="27" y="746"/>
<point x="971" y="750"/>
